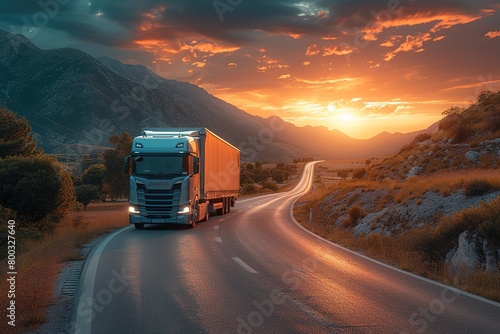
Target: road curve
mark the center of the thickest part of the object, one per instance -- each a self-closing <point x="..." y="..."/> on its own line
<point x="257" y="271"/>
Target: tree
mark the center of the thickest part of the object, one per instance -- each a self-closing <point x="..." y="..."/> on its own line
<point x="37" y="188"/>
<point x="113" y="161"/>
<point x="343" y="174"/>
<point x="15" y="137"/>
<point x="95" y="175"/>
<point x="87" y="193"/>
<point x="278" y="175"/>
<point x="458" y="122"/>
<point x="359" y="173"/>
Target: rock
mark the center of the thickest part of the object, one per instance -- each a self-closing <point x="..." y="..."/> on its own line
<point x="465" y="258"/>
<point x="414" y="171"/>
<point x="473" y="156"/>
<point x="490" y="258"/>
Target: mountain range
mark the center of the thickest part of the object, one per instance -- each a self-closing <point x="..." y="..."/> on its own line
<point x="74" y="102"/>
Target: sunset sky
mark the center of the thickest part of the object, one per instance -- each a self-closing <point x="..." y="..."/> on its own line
<point x="359" y="66"/>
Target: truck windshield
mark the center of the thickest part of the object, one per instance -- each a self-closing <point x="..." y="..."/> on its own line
<point x="155" y="165"/>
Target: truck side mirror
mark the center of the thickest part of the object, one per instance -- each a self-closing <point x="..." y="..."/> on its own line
<point x="126" y="165"/>
<point x="196" y="165"/>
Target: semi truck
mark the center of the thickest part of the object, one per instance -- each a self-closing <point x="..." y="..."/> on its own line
<point x="181" y="176"/>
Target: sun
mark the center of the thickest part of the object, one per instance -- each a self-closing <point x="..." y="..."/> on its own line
<point x="346" y="117"/>
<point x="340" y="112"/>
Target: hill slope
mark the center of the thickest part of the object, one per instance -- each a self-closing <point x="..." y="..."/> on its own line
<point x="434" y="207"/>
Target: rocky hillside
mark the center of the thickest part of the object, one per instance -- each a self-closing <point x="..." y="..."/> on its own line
<point x="74" y="102"/>
<point x="437" y="199"/>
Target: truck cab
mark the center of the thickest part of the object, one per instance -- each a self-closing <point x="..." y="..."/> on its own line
<point x="164" y="168"/>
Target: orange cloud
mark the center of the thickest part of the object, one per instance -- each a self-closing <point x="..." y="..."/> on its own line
<point x="312" y="50"/>
<point x="199" y="64"/>
<point x="493" y="34"/>
<point x="337" y="51"/>
<point x="444" y="21"/>
<point x="392" y="41"/>
<point x="212" y="48"/>
<point x="412" y="43"/>
<point x="415" y="43"/>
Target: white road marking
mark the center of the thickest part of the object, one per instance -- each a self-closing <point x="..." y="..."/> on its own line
<point x="244" y="265"/>
<point x="218" y="239"/>
<point x="216" y="227"/>
<point x="84" y="323"/>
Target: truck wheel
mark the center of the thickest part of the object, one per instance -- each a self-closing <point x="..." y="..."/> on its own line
<point x="139" y="226"/>
<point x="224" y="206"/>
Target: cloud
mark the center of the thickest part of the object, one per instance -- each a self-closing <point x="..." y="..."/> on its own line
<point x="338" y="51"/>
<point x="493" y="34"/>
<point x="312" y="50"/>
<point x="411" y="43"/>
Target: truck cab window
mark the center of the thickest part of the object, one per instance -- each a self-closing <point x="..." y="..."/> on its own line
<point x="157" y="165"/>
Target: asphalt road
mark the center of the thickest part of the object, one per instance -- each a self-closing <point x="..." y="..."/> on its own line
<point x="256" y="271"/>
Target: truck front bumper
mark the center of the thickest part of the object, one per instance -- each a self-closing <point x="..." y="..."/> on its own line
<point x="183" y="219"/>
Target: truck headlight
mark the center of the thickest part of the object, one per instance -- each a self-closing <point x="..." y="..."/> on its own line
<point x="133" y="209"/>
<point x="184" y="209"/>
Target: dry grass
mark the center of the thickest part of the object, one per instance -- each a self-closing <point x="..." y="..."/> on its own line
<point x="40" y="262"/>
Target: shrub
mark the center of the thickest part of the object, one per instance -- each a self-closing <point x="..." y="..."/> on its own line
<point x="270" y="185"/>
<point x="353" y="215"/>
<point x="422" y="137"/>
<point x="249" y="188"/>
<point x="87" y="193"/>
<point x="343" y="174"/>
<point x="490" y="226"/>
<point x="359" y="173"/>
<point x="37" y="188"/>
<point x="477" y="188"/>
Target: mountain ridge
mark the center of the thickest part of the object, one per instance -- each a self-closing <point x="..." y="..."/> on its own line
<point x="75" y="101"/>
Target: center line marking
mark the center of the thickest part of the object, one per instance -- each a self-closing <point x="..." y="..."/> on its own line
<point x="216" y="227"/>
<point x="244" y="265"/>
<point x="218" y="239"/>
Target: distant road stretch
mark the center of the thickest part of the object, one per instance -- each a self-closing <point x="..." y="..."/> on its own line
<point x="256" y="271"/>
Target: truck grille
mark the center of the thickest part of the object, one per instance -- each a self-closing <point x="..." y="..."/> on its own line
<point x="159" y="203"/>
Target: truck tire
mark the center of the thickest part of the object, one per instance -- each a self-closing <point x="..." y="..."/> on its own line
<point x="226" y="205"/>
<point x="139" y="226"/>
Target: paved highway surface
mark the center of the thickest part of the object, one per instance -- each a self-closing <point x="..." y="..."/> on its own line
<point x="256" y="271"/>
